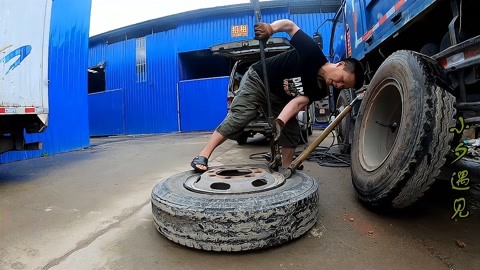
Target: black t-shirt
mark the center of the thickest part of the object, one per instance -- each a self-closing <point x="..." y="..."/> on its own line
<point x="294" y="73"/>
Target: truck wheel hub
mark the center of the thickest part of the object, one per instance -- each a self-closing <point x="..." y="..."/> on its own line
<point x="234" y="180"/>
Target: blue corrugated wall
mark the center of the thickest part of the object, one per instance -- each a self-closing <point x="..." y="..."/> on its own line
<point x="310" y="22"/>
<point x="218" y="29"/>
<point x="68" y="56"/>
<point x="203" y="103"/>
<point x="96" y="54"/>
<point x="106" y="113"/>
<point x="152" y="106"/>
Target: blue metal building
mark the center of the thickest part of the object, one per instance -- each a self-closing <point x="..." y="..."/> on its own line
<point x="159" y="76"/>
<point x="68" y="127"/>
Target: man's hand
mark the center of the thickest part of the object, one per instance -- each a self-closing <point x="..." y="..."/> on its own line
<point x="263" y="31"/>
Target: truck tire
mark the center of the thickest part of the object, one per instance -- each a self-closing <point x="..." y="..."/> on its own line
<point x="402" y="133"/>
<point x="242" y="139"/>
<point x="304" y="136"/>
<point x="247" y="220"/>
<point x="344" y="130"/>
<point x="311" y="119"/>
<point x="308" y="127"/>
<point x="430" y="49"/>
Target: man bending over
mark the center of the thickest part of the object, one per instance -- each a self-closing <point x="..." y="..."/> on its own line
<point x="296" y="79"/>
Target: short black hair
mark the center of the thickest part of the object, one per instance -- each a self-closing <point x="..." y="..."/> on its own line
<point x="354" y="66"/>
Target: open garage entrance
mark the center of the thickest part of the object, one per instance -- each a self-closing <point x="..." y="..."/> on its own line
<point x="202" y="90"/>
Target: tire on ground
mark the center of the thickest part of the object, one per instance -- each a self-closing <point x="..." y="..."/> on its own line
<point x="304" y="136"/>
<point x="242" y="139"/>
<point x="311" y="119"/>
<point x="402" y="133"/>
<point x="234" y="222"/>
<point x="345" y="129"/>
<point x="305" y="133"/>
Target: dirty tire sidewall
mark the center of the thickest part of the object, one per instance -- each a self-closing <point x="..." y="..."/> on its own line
<point x="422" y="139"/>
<point x="303" y="136"/>
<point x="345" y="129"/>
<point x="242" y="139"/>
<point x="234" y="222"/>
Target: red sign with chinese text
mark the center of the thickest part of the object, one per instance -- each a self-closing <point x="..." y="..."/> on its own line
<point x="239" y="30"/>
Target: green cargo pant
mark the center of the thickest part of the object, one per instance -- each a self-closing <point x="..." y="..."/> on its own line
<point x="250" y="100"/>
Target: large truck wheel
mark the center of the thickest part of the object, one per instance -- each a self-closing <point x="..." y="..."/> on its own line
<point x="344" y="130"/>
<point x="304" y="136"/>
<point x="402" y="133"/>
<point x="234" y="208"/>
<point x="242" y="139"/>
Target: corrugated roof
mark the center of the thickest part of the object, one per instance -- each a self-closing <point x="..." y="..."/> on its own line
<point x="172" y="21"/>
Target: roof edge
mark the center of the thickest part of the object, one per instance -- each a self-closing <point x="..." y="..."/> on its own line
<point x="172" y="21"/>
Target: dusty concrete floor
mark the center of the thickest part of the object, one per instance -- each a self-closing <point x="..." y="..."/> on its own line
<point x="90" y="209"/>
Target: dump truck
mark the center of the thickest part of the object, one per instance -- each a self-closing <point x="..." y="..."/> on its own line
<point x="419" y="118"/>
<point x="23" y="72"/>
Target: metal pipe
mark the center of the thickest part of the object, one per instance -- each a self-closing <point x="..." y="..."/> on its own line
<point x="306" y="153"/>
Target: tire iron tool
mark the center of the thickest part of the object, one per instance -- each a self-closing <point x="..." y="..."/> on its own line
<point x="275" y="157"/>
<point x="287" y="172"/>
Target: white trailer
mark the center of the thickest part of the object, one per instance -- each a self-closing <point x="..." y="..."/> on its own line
<point x="24" y="44"/>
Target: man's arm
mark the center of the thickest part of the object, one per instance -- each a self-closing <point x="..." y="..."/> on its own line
<point x="284" y="26"/>
<point x="292" y="108"/>
<point x="264" y="30"/>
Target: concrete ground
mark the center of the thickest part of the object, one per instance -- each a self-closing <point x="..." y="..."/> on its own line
<point x="90" y="209"/>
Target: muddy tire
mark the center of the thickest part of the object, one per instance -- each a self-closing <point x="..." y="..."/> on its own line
<point x="430" y="49"/>
<point x="234" y="222"/>
<point x="311" y="119"/>
<point x="344" y="130"/>
<point x="242" y="139"/>
<point x="402" y="133"/>
<point x="303" y="136"/>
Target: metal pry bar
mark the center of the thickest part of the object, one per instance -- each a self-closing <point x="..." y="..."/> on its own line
<point x="275" y="158"/>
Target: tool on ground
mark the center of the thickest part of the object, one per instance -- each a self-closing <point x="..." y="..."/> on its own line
<point x="287" y="172"/>
<point x="276" y="158"/>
